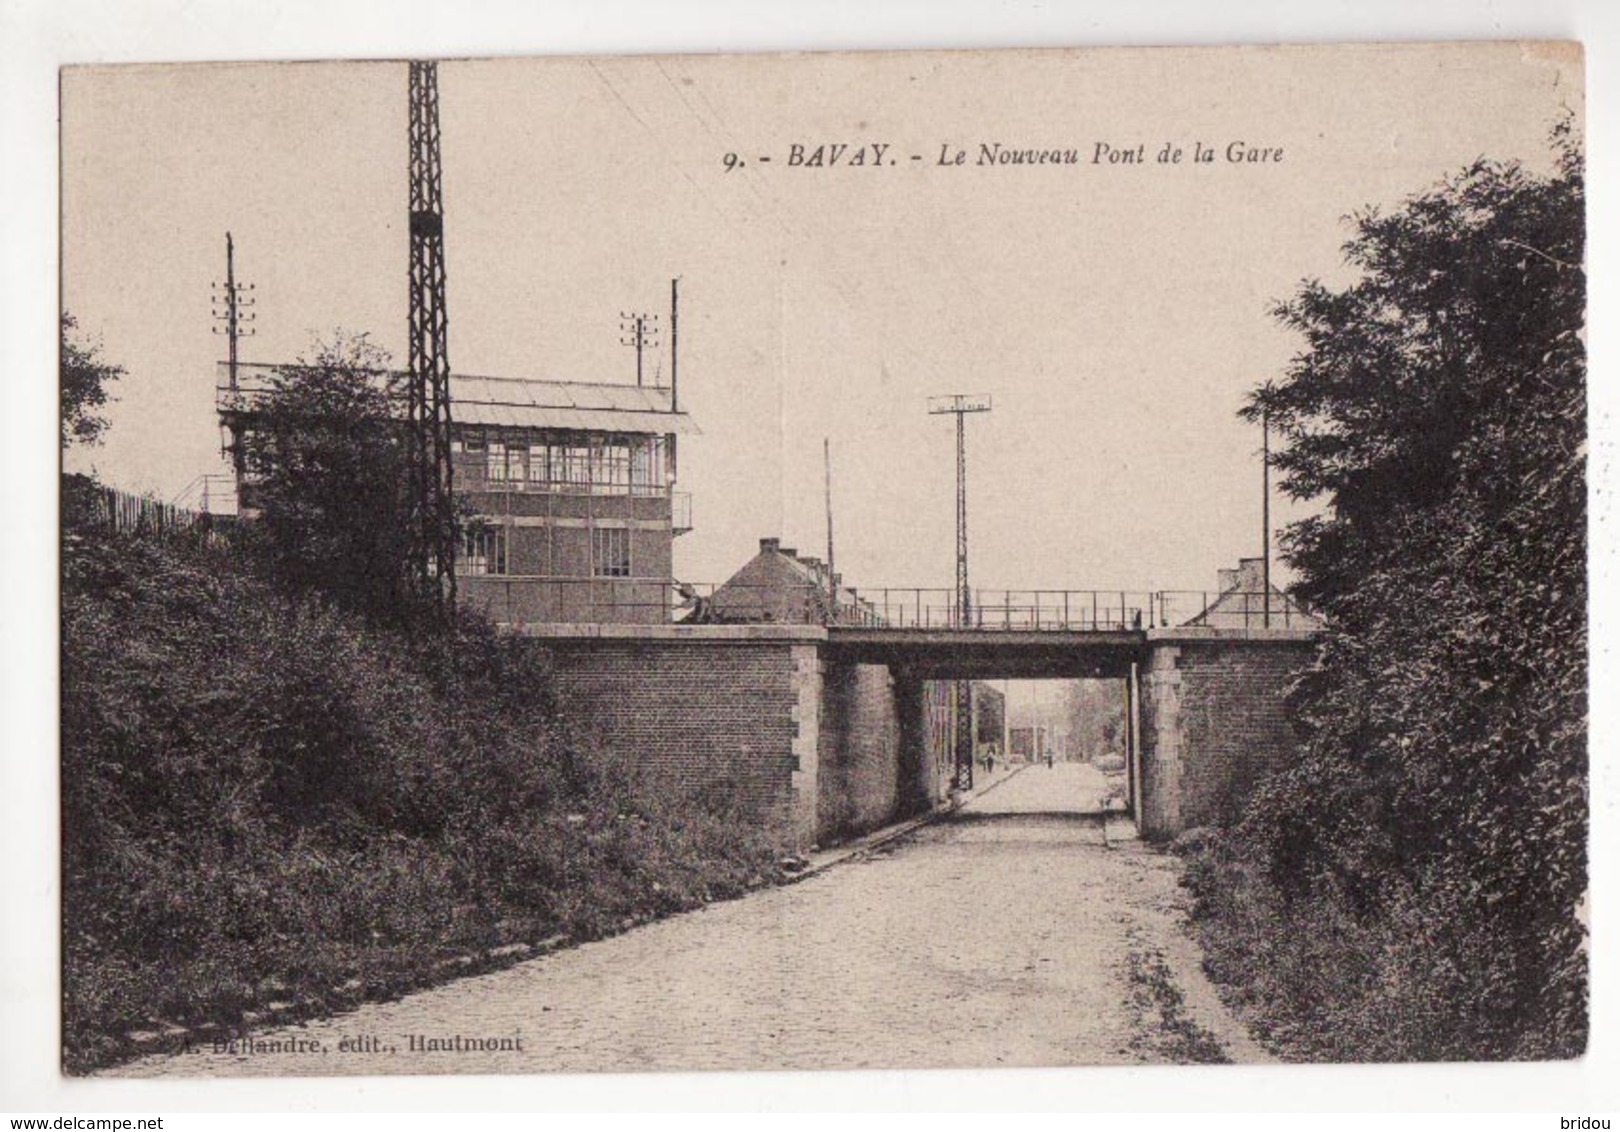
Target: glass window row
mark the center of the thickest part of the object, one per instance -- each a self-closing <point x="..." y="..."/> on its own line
<point x="483" y="551"/>
<point x="637" y="466"/>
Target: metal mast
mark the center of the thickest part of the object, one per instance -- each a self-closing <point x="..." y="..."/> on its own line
<point x="964" y="595"/>
<point x="1265" y="512"/>
<point x="1265" y="504"/>
<point x="832" y="574"/>
<point x="674" y="342"/>
<point x="433" y="559"/>
<point x="961" y="405"/>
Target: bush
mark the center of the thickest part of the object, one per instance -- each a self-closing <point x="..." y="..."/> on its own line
<point x="1410" y="888"/>
<point x="264" y="797"/>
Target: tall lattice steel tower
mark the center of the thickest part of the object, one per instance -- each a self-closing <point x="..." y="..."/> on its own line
<point x="433" y="559"/>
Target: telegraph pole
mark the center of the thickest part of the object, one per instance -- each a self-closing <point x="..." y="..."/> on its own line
<point x="641" y="331"/>
<point x="832" y="575"/>
<point x="433" y="529"/>
<point x="232" y="308"/>
<point x="961" y="404"/>
<point x="1265" y="511"/>
<point x="674" y="343"/>
<point x="1265" y="505"/>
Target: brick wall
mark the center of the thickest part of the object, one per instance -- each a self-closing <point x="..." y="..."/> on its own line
<point x="859" y="756"/>
<point x="1213" y="726"/>
<point x="923" y="782"/>
<point x="702" y="715"/>
<point x="1159" y="759"/>
<point x="541" y="601"/>
<point x="1232" y="709"/>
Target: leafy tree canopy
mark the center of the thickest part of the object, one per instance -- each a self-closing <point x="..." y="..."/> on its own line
<point x="325" y="458"/>
<point x="1438" y="411"/>
<point x="84" y="380"/>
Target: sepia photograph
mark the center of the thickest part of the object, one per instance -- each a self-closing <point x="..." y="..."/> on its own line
<point x="884" y="560"/>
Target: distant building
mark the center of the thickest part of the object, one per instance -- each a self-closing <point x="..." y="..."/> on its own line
<point x="989" y="716"/>
<point x="573" y="486"/>
<point x="1028" y="743"/>
<point x="1242" y="603"/>
<point x="939" y="706"/>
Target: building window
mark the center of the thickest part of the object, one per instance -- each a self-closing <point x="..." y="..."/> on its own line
<point x="504" y="463"/>
<point x="540" y="464"/>
<point x="571" y="467"/>
<point x="647" y="466"/>
<point x="483" y="550"/>
<point x="610" y="469"/>
<point x="610" y="552"/>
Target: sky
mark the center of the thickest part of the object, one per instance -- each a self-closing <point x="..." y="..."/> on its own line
<point x="1116" y="312"/>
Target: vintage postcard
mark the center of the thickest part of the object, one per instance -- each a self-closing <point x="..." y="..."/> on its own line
<point x="878" y="560"/>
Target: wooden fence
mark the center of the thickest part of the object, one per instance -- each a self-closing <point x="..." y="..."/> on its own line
<point x="128" y="513"/>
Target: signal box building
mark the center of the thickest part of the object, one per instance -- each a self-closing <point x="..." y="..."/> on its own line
<point x="573" y="489"/>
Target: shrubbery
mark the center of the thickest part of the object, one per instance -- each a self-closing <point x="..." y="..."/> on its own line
<point x="1410" y="888"/>
<point x="265" y="797"/>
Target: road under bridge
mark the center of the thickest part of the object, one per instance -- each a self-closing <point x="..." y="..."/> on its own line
<point x="823" y="731"/>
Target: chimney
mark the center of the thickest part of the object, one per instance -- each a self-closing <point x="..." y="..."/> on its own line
<point x="787" y="550"/>
<point x="770" y="545"/>
<point x="1253" y="574"/>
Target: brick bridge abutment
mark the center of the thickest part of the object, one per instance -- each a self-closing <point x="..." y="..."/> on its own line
<point x="1212" y="721"/>
<point x="821" y="746"/>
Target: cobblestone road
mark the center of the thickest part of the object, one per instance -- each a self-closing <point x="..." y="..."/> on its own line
<point x="1006" y="935"/>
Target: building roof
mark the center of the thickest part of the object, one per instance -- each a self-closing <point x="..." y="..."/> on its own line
<point x="515" y="402"/>
<point x="777" y="584"/>
<point x="1242" y="602"/>
<point x="524" y="403"/>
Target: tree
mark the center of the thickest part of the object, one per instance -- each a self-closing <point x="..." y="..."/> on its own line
<point x="84" y="380"/>
<point x="1438" y="410"/>
<point x="325" y="459"/>
<point x="1096" y="717"/>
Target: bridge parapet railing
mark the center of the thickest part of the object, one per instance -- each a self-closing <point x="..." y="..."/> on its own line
<point x="644" y="600"/>
<point x="1231" y="609"/>
<point x="1006" y="610"/>
<point x="934" y="607"/>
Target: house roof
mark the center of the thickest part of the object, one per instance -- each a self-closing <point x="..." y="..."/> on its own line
<point x="1243" y="603"/>
<point x="779" y="582"/>
<point x="515" y="402"/>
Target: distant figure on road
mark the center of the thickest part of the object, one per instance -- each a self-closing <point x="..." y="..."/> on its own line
<point x="1048" y="760"/>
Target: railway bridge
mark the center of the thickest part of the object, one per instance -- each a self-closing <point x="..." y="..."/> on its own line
<point x="824" y="731"/>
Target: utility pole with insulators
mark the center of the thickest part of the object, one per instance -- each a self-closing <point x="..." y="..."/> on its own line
<point x="233" y="309"/>
<point x="832" y="568"/>
<point x="674" y="343"/>
<point x="1265" y="504"/>
<point x="433" y="558"/>
<point x="641" y="331"/>
<point x="962" y="404"/>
